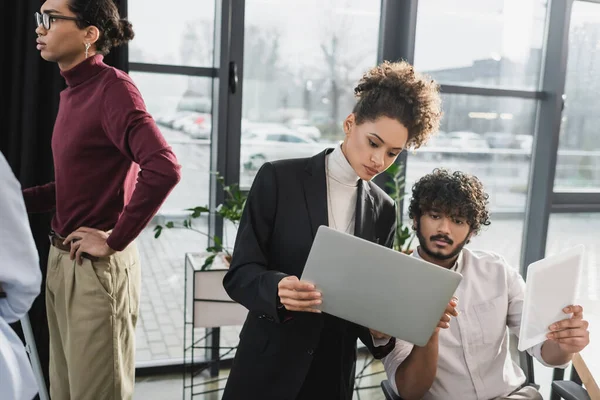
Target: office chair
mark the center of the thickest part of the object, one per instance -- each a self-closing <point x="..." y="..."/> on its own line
<point x="568" y="390"/>
<point x="31" y="349"/>
<point x="388" y="392"/>
<point x="32" y="353"/>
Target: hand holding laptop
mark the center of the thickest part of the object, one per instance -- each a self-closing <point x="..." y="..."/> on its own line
<point x="443" y="324"/>
<point x="448" y="313"/>
<point x="297" y="295"/>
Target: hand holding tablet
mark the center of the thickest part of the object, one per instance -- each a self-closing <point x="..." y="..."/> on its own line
<point x="551" y="287"/>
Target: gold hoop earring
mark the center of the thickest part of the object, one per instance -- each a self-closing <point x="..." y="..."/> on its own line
<point x="87" y="49"/>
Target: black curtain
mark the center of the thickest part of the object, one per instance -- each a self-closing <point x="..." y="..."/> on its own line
<point x="29" y="89"/>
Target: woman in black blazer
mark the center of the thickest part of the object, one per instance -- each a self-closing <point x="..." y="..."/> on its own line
<point x="287" y="349"/>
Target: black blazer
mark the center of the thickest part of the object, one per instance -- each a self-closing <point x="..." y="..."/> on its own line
<point x="286" y="205"/>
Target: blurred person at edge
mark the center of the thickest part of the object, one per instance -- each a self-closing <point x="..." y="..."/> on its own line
<point x="20" y="281"/>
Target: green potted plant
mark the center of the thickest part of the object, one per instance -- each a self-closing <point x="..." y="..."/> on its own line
<point x="404" y="233"/>
<point x="230" y="210"/>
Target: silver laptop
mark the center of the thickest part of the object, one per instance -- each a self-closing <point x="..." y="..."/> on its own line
<point x="377" y="287"/>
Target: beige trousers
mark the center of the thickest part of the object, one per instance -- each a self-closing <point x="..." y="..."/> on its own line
<point x="92" y="312"/>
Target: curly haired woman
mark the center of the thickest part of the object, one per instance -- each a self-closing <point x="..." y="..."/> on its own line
<point x="288" y="350"/>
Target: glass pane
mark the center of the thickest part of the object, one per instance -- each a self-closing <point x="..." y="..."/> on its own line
<point x="491" y="138"/>
<point x="565" y="231"/>
<point x="180" y="32"/>
<point x="300" y="68"/>
<point x="481" y="43"/>
<point x="184" y="117"/>
<point x="578" y="163"/>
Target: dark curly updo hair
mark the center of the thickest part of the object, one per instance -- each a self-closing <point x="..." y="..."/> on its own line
<point x="396" y="91"/>
<point x="104" y="15"/>
<point x="457" y="194"/>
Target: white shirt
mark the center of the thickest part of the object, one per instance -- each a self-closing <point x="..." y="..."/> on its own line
<point x="21" y="280"/>
<point x="474" y="360"/>
<point x="342" y="189"/>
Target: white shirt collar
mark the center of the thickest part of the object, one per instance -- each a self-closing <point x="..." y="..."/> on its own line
<point x="458" y="265"/>
<point x="339" y="168"/>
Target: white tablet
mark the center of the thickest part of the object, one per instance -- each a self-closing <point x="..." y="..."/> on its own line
<point x="551" y="286"/>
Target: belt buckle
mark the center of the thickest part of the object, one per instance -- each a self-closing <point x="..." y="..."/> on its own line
<point x="51" y="237"/>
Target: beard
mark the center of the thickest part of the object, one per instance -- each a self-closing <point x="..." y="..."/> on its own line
<point x="436" y="255"/>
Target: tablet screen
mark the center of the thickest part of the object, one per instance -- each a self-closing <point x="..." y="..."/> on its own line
<point x="551" y="285"/>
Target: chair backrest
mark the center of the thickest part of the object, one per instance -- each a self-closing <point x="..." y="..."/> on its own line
<point x="523" y="358"/>
<point x="388" y="392"/>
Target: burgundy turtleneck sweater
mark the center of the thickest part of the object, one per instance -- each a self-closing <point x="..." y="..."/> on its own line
<point x="103" y="140"/>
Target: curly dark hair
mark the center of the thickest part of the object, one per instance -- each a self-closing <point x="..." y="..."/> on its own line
<point x="104" y="15"/>
<point x="456" y="194"/>
<point x="396" y="91"/>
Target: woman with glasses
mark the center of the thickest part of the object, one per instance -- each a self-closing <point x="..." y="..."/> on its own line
<point x="103" y="136"/>
<point x="287" y="349"/>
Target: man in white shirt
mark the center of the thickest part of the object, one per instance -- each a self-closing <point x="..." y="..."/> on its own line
<point x="20" y="279"/>
<point x="471" y="359"/>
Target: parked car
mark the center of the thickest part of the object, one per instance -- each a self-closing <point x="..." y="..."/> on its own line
<point x="198" y="104"/>
<point x="525" y="142"/>
<point x="249" y="127"/>
<point x="260" y="145"/>
<point x="304" y="127"/>
<point x="199" y="127"/>
<point x="436" y="146"/>
<point x="467" y="140"/>
<point x="469" y="144"/>
<point x="169" y="119"/>
<point x="184" y="118"/>
<point x="501" y="140"/>
<point x="192" y="116"/>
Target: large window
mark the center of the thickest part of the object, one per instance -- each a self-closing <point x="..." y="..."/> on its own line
<point x="578" y="165"/>
<point x="178" y="32"/>
<point x="565" y="231"/>
<point x="488" y="127"/>
<point x="481" y="43"/>
<point x="183" y="114"/>
<point x="302" y="60"/>
<point x="181" y="101"/>
<point x="490" y="138"/>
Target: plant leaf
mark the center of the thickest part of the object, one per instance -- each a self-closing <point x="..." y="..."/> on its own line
<point x="393" y="169"/>
<point x="197" y="211"/>
<point x="208" y="262"/>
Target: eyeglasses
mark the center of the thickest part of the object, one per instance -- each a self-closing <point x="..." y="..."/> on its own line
<point x="45" y="20"/>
